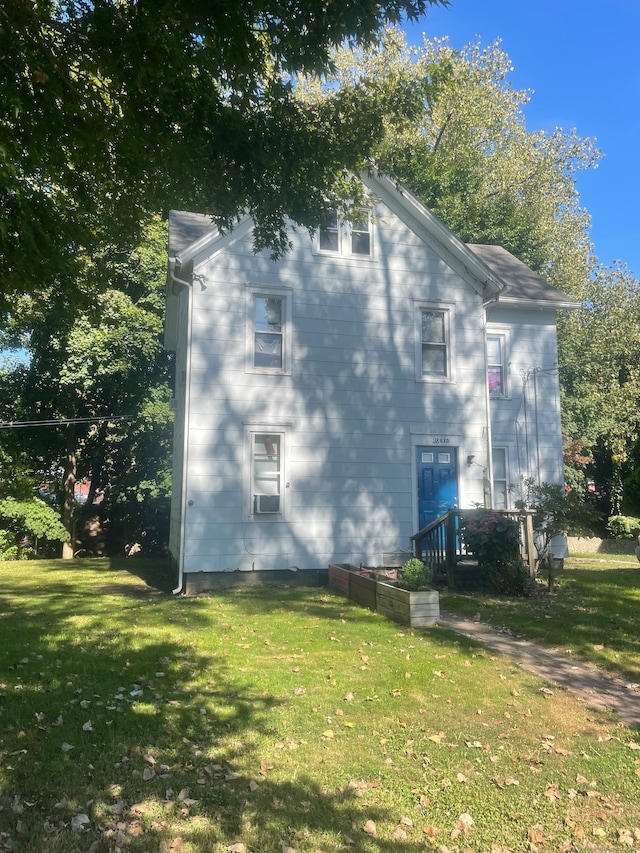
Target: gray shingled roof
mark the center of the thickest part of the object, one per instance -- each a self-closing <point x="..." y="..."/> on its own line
<point x="522" y="283"/>
<point x="185" y="228"/>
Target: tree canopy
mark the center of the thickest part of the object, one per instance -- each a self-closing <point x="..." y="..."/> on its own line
<point x="111" y="111"/>
<point x="462" y="145"/>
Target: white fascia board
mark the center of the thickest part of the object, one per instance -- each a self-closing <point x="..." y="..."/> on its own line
<point x="540" y="304"/>
<point x="488" y="284"/>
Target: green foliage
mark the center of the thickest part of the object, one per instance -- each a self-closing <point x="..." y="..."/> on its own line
<point x="494" y="539"/>
<point x="599" y="353"/>
<point x="557" y="512"/>
<point x="462" y="145"/>
<point x="416" y="575"/>
<point x="103" y="363"/>
<point x="623" y="526"/>
<point x="95" y="138"/>
<point x="22" y="521"/>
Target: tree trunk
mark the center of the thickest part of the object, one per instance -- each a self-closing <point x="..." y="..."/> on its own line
<point x="69" y="482"/>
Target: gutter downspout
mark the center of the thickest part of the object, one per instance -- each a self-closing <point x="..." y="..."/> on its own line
<point x="185" y="427"/>
<point x="489" y="469"/>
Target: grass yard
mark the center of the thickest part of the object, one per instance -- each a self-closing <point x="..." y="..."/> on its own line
<point x="280" y="720"/>
<point x="594" y="614"/>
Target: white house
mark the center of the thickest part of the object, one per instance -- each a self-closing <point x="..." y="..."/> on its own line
<point x="331" y="403"/>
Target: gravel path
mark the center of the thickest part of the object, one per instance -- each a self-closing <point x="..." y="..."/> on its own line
<point x="595" y="687"/>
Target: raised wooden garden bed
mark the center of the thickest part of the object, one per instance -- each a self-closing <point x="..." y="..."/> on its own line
<point x="416" y="609"/>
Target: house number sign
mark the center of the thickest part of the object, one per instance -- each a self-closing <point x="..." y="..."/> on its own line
<point x="438" y="439"/>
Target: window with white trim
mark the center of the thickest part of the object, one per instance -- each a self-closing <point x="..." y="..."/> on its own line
<point x="496" y="364"/>
<point x="267" y="497"/>
<point x="348" y="239"/>
<point x="268" y="331"/>
<point x="433" y="334"/>
<point x="500" y="481"/>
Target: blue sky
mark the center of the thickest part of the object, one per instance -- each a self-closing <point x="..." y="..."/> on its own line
<point x="581" y="58"/>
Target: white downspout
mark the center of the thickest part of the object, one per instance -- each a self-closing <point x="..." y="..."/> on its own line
<point x="489" y="468"/>
<point x="185" y="434"/>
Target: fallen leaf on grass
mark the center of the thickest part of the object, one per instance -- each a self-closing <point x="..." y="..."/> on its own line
<point x="399" y="834"/>
<point x="238" y="847"/>
<point x="431" y="831"/>
<point x="535" y="837"/>
<point x="79" y="821"/>
<point x="370" y="829"/>
<point x="553" y="792"/>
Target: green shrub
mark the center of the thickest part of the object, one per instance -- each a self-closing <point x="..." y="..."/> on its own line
<point x="494" y="539"/>
<point x="416" y="575"/>
<point x="623" y="526"/>
<point x="510" y="578"/>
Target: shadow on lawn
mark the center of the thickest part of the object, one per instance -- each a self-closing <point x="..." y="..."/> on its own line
<point x="101" y="717"/>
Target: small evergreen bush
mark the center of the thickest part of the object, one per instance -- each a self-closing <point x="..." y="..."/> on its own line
<point x="416" y="575"/>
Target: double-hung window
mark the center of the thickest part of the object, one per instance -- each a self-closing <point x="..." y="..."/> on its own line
<point x="496" y="364"/>
<point x="329" y="236"/>
<point x="268" y="349"/>
<point x="433" y="342"/>
<point x="266" y="473"/>
<point x="500" y="486"/>
<point x="268" y="331"/>
<point x="348" y="239"/>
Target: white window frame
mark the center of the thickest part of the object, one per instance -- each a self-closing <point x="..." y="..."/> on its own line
<point x="345" y="232"/>
<point x="251" y="488"/>
<point x="503" y="337"/>
<point x="498" y="448"/>
<point x="256" y="291"/>
<point x="448" y="312"/>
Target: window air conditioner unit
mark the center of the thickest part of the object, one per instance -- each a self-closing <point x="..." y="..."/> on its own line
<point x="266" y="504"/>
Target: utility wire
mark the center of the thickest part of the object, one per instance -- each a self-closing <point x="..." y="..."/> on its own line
<point x="63" y="421"/>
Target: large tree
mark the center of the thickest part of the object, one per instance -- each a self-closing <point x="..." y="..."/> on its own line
<point x="113" y="109"/>
<point x="98" y="388"/>
<point x="600" y="357"/>
<point x="462" y="145"/>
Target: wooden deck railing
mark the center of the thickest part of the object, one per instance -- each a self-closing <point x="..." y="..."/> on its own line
<point x="440" y="545"/>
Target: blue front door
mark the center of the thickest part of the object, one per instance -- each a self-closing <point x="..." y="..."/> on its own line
<point x="437" y="482"/>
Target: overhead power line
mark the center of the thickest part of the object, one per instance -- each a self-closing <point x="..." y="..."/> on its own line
<point x="63" y="421"/>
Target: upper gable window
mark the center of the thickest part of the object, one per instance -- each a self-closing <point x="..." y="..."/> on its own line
<point x="268" y="332"/>
<point x="348" y="239"/>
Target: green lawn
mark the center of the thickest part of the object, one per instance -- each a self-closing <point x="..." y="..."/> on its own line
<point x="593" y="615"/>
<point x="281" y="718"/>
